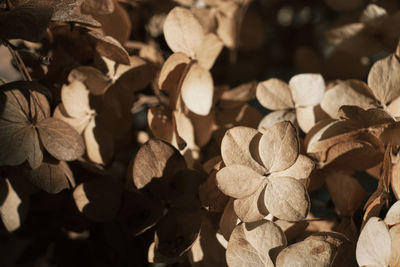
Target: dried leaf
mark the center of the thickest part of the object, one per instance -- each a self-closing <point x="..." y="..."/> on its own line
<point x="98" y="7"/>
<point x="286" y="198"/>
<point x="197" y="90"/>
<point x="374" y="244"/>
<point x="279" y="146"/>
<point x="60" y="140"/>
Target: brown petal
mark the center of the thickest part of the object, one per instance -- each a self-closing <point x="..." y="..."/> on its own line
<point x="240" y="146"/>
<point x="15" y="106"/>
<point x="238" y="181"/>
<point x="108" y="47"/>
<point x="197" y="90"/>
<point x="183" y="32"/>
<point x="99" y="199"/>
<point x="374" y="244"/>
<point x="286" y="198"/>
<point x="279" y="146"/>
<point x="154" y="160"/>
<point x="274" y="94"/>
<point x="307" y="89"/>
<point x="177" y="231"/>
<point x="19" y="142"/>
<point x="53" y="176"/>
<point x="79" y="124"/>
<point x="346" y="192"/>
<point x="60" y="140"/>
<point x="384" y="79"/>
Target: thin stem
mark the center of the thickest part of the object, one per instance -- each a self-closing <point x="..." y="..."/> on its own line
<point x="20" y="63"/>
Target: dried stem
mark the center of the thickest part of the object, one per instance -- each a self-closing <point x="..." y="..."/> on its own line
<point x="20" y="63"/>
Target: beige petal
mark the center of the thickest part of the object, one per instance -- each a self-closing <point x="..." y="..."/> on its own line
<point x="384" y="79"/>
<point x="351" y="92"/>
<point x="393" y="214"/>
<point x="79" y="124"/>
<point x="274" y="94"/>
<point x="251" y="208"/>
<point x="75" y="98"/>
<point x="306" y="117"/>
<point x="209" y="51"/>
<point x="395" y="253"/>
<point x="309" y="252"/>
<point x="372" y="12"/>
<point x="394" y="107"/>
<point x="197" y="90"/>
<point x="183" y="31"/>
<point x="99" y="143"/>
<point x="252" y="242"/>
<point x="172" y="71"/>
<point x="286" y="198"/>
<point x="237" y="96"/>
<point x="240" y="146"/>
<point x="263" y="236"/>
<point x="277" y="116"/>
<point x="301" y="169"/>
<point x="96" y="82"/>
<point x="279" y="146"/>
<point x="307" y="89"/>
<point x="238" y="181"/>
<point x="14" y="207"/>
<point x="374" y="244"/>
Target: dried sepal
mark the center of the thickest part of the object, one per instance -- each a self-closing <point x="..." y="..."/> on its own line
<point x="99" y="198"/>
<point x="279" y="146"/>
<point x="275" y="94"/>
<point x="307" y="89"/>
<point x="286" y="198"/>
<point x="374" y="244"/>
<point x="52" y="176"/>
<point x="393" y="215"/>
<point x="154" y="160"/>
<point x="251" y="244"/>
